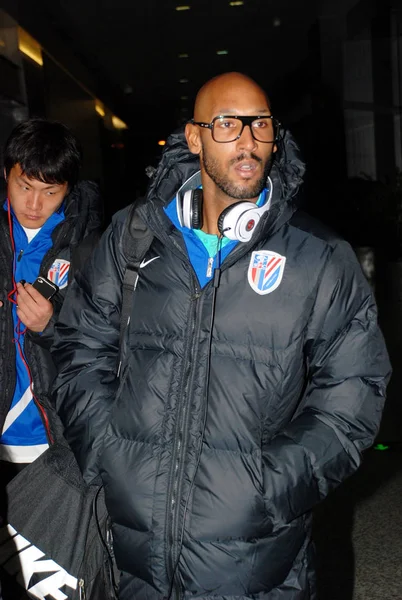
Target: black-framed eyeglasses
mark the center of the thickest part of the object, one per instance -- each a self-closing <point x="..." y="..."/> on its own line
<point x="228" y="128"/>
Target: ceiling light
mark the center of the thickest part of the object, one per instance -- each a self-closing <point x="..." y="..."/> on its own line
<point x="183" y="7"/>
<point x="276" y="22"/>
<point x="183" y="80"/>
<point x="118" y="123"/>
<point x="99" y="108"/>
<point x="161" y="142"/>
<point x="183" y="97"/>
<point x="221" y="52"/>
<point x="236" y="3"/>
<point x="29" y="46"/>
<point x="183" y="55"/>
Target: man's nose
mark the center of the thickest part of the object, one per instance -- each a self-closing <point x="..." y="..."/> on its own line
<point x="246" y="140"/>
<point x="34" y="200"/>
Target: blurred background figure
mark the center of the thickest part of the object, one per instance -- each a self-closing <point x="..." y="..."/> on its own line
<point x="366" y="257"/>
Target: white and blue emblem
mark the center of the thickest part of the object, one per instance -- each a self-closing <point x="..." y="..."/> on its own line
<point x="58" y="272"/>
<point x="265" y="271"/>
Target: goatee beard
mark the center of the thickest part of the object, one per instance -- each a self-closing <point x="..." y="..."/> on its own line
<point x="236" y="191"/>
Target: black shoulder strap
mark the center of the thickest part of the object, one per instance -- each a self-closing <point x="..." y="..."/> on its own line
<point x="137" y="238"/>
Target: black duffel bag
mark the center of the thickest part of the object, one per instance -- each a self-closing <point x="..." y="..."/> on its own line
<point x="56" y="542"/>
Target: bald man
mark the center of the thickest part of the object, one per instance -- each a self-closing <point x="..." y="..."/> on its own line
<point x="252" y="373"/>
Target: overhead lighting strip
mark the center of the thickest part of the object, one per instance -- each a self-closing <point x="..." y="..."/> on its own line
<point x="30" y="47"/>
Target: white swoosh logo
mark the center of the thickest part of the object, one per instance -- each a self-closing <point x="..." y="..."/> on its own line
<point x="146" y="262"/>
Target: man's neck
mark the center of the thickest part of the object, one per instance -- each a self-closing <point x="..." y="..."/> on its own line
<point x="210" y="218"/>
<point x="30" y="233"/>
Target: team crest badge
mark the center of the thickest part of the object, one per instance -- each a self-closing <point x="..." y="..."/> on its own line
<point x="58" y="272"/>
<point x="265" y="271"/>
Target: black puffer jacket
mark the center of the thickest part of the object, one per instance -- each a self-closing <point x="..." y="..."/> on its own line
<point x="211" y="493"/>
<point x="83" y="217"/>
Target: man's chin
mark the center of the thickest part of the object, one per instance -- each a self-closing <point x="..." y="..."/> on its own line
<point x="30" y="224"/>
<point x="246" y="190"/>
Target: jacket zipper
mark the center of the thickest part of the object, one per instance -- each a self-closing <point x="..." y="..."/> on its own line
<point x="180" y="448"/>
<point x="41" y="409"/>
<point x="81" y="586"/>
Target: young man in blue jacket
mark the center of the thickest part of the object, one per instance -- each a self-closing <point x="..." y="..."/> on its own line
<point x="252" y="372"/>
<point x="44" y="218"/>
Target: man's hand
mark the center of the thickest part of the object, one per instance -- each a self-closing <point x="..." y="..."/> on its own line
<point x="33" y="309"/>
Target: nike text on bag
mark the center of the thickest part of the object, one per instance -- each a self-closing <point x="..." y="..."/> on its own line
<point x="51" y="545"/>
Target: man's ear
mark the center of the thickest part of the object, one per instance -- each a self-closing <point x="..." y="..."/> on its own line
<point x="193" y="138"/>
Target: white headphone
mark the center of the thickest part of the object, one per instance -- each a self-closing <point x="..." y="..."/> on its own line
<point x="237" y="222"/>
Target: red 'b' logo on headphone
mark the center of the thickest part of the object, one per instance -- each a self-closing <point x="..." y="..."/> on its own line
<point x="250" y="225"/>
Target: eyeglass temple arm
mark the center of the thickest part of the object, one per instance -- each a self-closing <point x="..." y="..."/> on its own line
<point x="206" y="125"/>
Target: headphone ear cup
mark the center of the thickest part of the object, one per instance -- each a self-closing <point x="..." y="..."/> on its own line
<point x="196" y="206"/>
<point x="184" y="209"/>
<point x="238" y="221"/>
<point x="191" y="209"/>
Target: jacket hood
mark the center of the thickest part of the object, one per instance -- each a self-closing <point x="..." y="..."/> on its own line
<point x="178" y="164"/>
<point x="83" y="206"/>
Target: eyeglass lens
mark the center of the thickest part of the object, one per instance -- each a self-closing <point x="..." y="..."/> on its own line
<point x="227" y="129"/>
